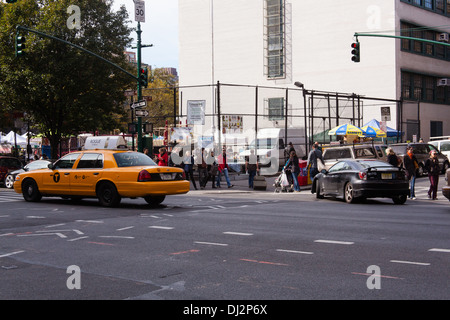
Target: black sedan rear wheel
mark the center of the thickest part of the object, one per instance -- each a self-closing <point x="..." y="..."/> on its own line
<point x="319" y="195"/>
<point x="9" y="181"/>
<point x="348" y="193"/>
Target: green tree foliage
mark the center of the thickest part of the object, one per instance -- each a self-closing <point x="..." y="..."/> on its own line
<point x="63" y="89"/>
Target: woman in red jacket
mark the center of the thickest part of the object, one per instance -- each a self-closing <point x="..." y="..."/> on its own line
<point x="162" y="157"/>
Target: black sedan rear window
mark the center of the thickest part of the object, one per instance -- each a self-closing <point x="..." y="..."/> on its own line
<point x="133" y="159"/>
<point x="373" y="164"/>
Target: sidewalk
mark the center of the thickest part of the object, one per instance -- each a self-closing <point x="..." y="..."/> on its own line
<point x="240" y="184"/>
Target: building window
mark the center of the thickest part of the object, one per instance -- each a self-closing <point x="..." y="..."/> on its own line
<point x="424" y="48"/>
<point x="420" y="87"/>
<point x="275" y="39"/>
<point x="438" y="6"/>
<point x="436" y="129"/>
<point x="276" y="109"/>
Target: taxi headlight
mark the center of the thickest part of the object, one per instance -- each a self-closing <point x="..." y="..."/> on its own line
<point x="18" y="177"/>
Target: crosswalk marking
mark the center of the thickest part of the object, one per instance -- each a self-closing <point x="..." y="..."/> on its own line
<point x="10" y="197"/>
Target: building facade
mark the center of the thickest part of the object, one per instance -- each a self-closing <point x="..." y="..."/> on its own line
<point x="275" y="43"/>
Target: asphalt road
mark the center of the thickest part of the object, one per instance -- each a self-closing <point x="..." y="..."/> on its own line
<point x="231" y="244"/>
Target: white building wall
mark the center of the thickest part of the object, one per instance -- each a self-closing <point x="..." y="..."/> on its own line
<point x="224" y="41"/>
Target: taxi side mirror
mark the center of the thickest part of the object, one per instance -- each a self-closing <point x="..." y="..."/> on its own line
<point x="50" y="166"/>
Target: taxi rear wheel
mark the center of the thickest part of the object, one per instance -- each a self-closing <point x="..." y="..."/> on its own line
<point x="107" y="195"/>
<point x="30" y="191"/>
<point x="154" y="200"/>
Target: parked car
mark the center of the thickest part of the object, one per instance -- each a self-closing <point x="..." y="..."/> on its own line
<point x="446" y="188"/>
<point x="422" y="153"/>
<point x="8" y="164"/>
<point x="332" y="154"/>
<point x="443" y="145"/>
<point x="361" y="179"/>
<point x="34" y="165"/>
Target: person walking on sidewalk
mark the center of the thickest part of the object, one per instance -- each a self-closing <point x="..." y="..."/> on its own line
<point x="432" y="167"/>
<point x="211" y="169"/>
<point x="202" y="169"/>
<point x="314" y="156"/>
<point x="251" y="167"/>
<point x="223" y="168"/>
<point x="292" y="163"/>
<point x="411" y="165"/>
<point x="188" y="164"/>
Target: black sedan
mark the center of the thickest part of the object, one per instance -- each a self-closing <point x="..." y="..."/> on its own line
<point x="360" y="179"/>
<point x="34" y="165"/>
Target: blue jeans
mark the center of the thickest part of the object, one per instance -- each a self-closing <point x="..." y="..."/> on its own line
<point x="294" y="177"/>
<point x="251" y="176"/>
<point x="412" y="182"/>
<point x="225" y="173"/>
<point x="313" y="172"/>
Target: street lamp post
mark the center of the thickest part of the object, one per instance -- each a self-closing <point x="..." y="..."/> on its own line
<point x="304" y="91"/>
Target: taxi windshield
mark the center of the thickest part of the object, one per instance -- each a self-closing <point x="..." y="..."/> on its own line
<point x="133" y="159"/>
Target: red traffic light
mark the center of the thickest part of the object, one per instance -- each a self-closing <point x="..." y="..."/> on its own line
<point x="355" y="45"/>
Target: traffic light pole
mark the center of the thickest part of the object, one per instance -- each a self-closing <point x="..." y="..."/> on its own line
<point x="400" y="37"/>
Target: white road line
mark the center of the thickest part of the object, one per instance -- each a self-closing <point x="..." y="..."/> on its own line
<point x="125" y="228"/>
<point x="411" y="262"/>
<point x="4" y="216"/>
<point x="161" y="227"/>
<point x="10" y="254"/>
<point x="440" y="250"/>
<point x="294" y="251"/>
<point x="6" y="234"/>
<point x="118" y="237"/>
<point x="55" y="225"/>
<point x="90" y="221"/>
<point x="334" y="242"/>
<point x="238" y="233"/>
<point x="43" y="234"/>
<point x="76" y="239"/>
<point x="211" y="243"/>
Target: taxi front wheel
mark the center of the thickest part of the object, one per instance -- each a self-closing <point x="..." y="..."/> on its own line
<point x="107" y="195"/>
<point x="30" y="191"/>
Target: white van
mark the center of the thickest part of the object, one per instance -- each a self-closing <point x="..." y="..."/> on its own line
<point x="271" y="145"/>
<point x="442" y="144"/>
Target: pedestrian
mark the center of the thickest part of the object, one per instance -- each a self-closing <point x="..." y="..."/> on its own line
<point x="188" y="164"/>
<point x="314" y="156"/>
<point x="392" y="157"/>
<point x="146" y="152"/>
<point x="223" y="168"/>
<point x="251" y="167"/>
<point x="162" y="158"/>
<point x="202" y="169"/>
<point x="432" y="167"/>
<point x="212" y="169"/>
<point x="292" y="164"/>
<point x="288" y="149"/>
<point x="411" y="165"/>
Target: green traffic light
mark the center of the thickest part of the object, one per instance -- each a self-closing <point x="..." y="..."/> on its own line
<point x="20" y="46"/>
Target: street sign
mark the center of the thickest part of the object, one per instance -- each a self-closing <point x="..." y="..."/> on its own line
<point x="139" y="11"/>
<point x="141" y="113"/>
<point x="139" y="104"/>
<point x="386" y="113"/>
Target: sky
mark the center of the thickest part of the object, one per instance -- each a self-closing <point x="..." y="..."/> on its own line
<point x="160" y="29"/>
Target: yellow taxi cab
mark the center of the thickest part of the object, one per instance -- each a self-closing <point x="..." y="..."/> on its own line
<point x="104" y="169"/>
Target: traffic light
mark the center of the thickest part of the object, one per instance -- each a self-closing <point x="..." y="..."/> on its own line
<point x="143" y="77"/>
<point x="355" y="52"/>
<point x="20" y="46"/>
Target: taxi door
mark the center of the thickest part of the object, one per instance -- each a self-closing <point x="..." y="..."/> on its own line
<point x="88" y="171"/>
<point x="57" y="180"/>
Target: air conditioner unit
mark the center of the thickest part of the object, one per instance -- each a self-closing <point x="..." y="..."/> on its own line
<point x="442" y="37"/>
<point x="444" y="82"/>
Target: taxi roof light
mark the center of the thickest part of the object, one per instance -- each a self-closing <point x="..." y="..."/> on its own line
<point x="105" y="142"/>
